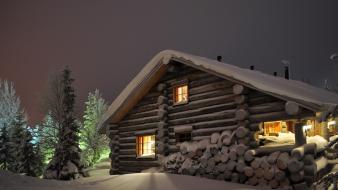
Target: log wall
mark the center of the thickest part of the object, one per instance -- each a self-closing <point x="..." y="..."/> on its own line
<point x="215" y="106"/>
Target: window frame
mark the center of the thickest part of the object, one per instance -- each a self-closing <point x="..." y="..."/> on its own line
<point x="175" y="93"/>
<point x="178" y="135"/>
<point x="139" y="146"/>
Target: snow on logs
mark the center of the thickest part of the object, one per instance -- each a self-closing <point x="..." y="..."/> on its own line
<point x="276" y="167"/>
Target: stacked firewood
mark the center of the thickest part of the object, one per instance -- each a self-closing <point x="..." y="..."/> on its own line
<point x="215" y="158"/>
<point x="284" y="166"/>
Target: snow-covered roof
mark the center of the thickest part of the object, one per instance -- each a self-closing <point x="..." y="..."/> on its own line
<point x="311" y="97"/>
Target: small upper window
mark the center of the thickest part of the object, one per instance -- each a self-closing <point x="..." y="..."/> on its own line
<point x="181" y="137"/>
<point x="145" y="146"/>
<point x="181" y="94"/>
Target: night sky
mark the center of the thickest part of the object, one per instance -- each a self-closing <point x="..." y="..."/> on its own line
<point x="106" y="43"/>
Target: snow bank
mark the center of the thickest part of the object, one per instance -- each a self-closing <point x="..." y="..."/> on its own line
<point x="289" y="138"/>
<point x="141" y="181"/>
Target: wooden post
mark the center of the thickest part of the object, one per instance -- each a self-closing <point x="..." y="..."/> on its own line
<point x="324" y="130"/>
<point x="300" y="137"/>
<point x="162" y="126"/>
<point x="113" y="134"/>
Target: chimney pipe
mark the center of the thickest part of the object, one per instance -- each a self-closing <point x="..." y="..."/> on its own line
<point x="286" y="72"/>
<point x="252" y="67"/>
<point x="287" y="66"/>
<point x="275" y="73"/>
<point x="219" y="58"/>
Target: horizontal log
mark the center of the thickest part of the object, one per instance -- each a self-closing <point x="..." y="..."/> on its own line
<point x="128" y="139"/>
<point x="190" y="73"/>
<point x="210" y="94"/>
<point x="209" y="131"/>
<point x="197" y="138"/>
<point x="127" y="151"/>
<point x="267" y="108"/>
<point x="210" y="86"/>
<point x="141" y="114"/>
<point x="183" y="128"/>
<point x="261" y="151"/>
<point x="145" y="132"/>
<point x="139" y="121"/>
<point x="204" y="81"/>
<point x="202" y="103"/>
<point x="214" y="123"/>
<point x="201" y="118"/>
<point x="127" y="145"/>
<point x="202" y="111"/>
<point x="261" y="100"/>
<point x="144" y="108"/>
<point x="138" y="127"/>
<point x="146" y="101"/>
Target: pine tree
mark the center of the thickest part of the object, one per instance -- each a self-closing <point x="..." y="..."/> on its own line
<point x="9" y="103"/>
<point x="66" y="162"/>
<point x="22" y="153"/>
<point x="94" y="143"/>
<point x="16" y="141"/>
<point x="4" y="148"/>
<point x="48" y="133"/>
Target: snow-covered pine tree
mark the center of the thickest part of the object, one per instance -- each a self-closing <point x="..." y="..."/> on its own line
<point x="48" y="134"/>
<point x="9" y="103"/>
<point x="94" y="144"/>
<point x="4" y="148"/>
<point x="22" y="153"/>
<point x="66" y="162"/>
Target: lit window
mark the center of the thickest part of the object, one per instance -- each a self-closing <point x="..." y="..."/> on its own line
<point x="181" y="94"/>
<point x="145" y="146"/>
<point x="272" y="128"/>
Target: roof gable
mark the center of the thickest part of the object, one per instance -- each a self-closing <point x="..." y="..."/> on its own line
<point x="310" y="97"/>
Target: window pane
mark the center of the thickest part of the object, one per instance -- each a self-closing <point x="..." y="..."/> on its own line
<point x="181" y="94"/>
<point x="146" y="145"/>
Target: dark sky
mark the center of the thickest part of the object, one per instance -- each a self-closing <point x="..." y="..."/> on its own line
<point x="107" y="42"/>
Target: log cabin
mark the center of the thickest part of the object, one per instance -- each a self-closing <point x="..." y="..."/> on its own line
<point x="196" y="116"/>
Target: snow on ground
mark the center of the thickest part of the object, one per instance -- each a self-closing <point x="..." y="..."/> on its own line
<point x="103" y="181"/>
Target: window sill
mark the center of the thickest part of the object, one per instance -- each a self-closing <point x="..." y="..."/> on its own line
<point x="180" y="103"/>
<point x="150" y="157"/>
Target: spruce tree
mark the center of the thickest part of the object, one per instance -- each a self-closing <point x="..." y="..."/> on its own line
<point x="22" y="153"/>
<point x="4" y="148"/>
<point x="16" y="140"/>
<point x="94" y="144"/>
<point x="66" y="162"/>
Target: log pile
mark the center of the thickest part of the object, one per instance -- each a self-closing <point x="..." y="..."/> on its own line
<point x="275" y="167"/>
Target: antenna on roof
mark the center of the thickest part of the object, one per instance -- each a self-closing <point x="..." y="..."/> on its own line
<point x="219" y="58"/>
